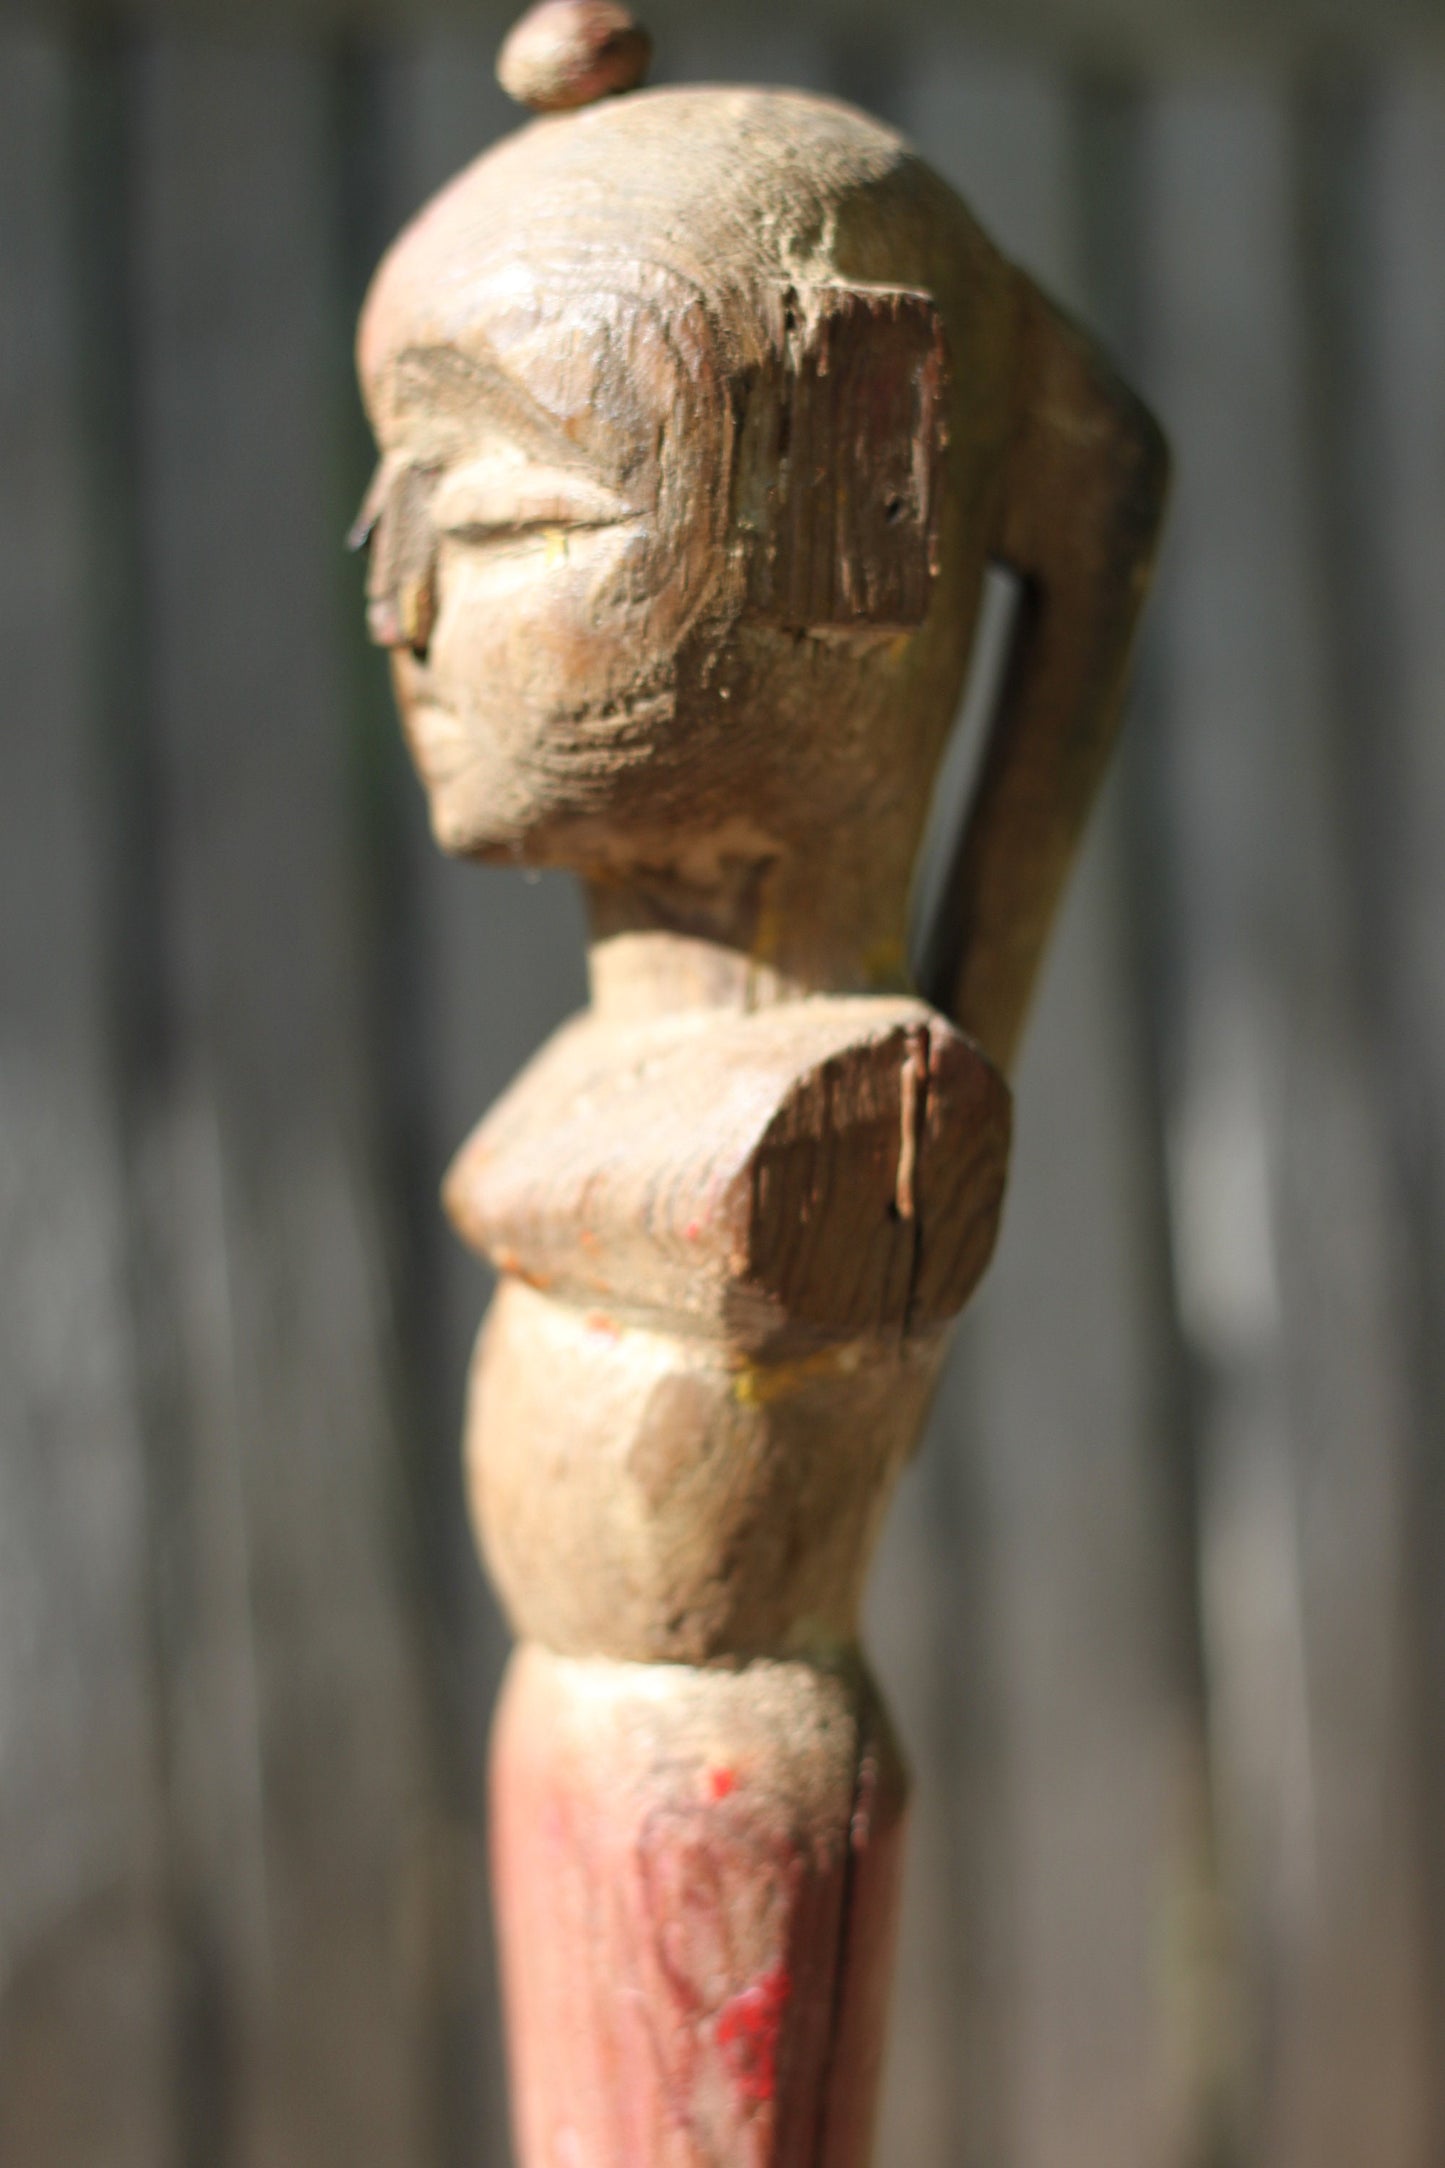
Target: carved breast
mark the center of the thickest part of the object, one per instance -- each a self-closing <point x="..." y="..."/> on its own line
<point x="730" y="1247"/>
<point x="826" y="1169"/>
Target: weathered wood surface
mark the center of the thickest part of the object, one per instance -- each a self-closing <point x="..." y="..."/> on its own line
<point x="684" y="498"/>
<point x="1047" y="1990"/>
<point x="289" y="1738"/>
<point x="300" y="1755"/>
<point x="87" y="2068"/>
<point x="1282" y="1208"/>
<point x="1390" y="320"/>
<point x="1080" y="1853"/>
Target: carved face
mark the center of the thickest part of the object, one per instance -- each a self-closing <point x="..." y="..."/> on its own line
<point x="658" y="516"/>
<point x="546" y="529"/>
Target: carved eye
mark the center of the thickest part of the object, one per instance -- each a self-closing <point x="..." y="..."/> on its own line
<point x="494" y="497"/>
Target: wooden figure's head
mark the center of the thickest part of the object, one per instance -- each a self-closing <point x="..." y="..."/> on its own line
<point x="701" y="414"/>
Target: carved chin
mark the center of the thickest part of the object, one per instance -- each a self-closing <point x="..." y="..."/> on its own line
<point x="555" y="791"/>
<point x="480" y="811"/>
<point x="493" y="803"/>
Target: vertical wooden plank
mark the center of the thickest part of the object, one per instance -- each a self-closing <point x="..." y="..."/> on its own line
<point x="1082" y="2045"/>
<point x="1281" y="1206"/>
<point x="1064" y="1366"/>
<point x="1399" y="299"/>
<point x="1374" y="169"/>
<point x="85" y="2053"/>
<point x="308" y="1847"/>
<point x="931" y="1634"/>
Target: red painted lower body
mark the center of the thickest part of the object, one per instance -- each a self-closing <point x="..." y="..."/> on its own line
<point x="696" y="1879"/>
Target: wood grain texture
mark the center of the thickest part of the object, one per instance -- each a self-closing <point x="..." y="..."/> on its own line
<point x="1396" y="307"/>
<point x="1077" y="1956"/>
<point x="849" y="1181"/>
<point x="1283" y="1218"/>
<point x="861" y="390"/>
<point x="86" y="1951"/>
<point x="301" y="1764"/>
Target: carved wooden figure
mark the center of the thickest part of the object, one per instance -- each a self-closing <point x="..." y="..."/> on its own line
<point x="702" y="414"/>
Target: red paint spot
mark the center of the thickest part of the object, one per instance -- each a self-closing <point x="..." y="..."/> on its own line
<point x="596" y="1321"/>
<point x="747" y="2032"/>
<point x="721" y="1781"/>
<point x="693" y="1230"/>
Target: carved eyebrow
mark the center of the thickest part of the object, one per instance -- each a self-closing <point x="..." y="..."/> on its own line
<point x="449" y="387"/>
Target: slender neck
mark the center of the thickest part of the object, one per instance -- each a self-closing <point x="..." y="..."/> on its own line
<point x="776" y="933"/>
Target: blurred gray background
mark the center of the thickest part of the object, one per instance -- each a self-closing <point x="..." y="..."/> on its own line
<point x="1162" y="1605"/>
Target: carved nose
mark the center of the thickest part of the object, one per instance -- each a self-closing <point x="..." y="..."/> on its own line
<point x="383" y="622"/>
<point x="401" y="611"/>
